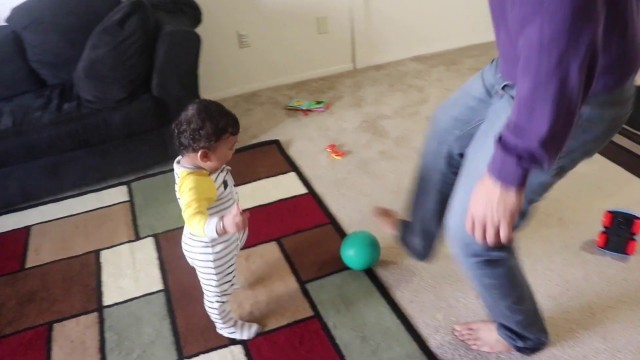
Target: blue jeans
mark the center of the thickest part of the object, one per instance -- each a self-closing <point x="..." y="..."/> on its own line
<point x="456" y="154"/>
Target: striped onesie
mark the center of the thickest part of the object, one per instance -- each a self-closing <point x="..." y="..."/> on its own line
<point x="204" y="198"/>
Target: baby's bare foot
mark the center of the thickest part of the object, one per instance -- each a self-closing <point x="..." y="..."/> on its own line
<point x="482" y="336"/>
<point x="388" y="220"/>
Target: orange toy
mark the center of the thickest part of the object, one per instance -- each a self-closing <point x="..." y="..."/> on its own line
<point x="334" y="151"/>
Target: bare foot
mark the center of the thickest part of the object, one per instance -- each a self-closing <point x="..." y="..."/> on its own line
<point x="482" y="336"/>
<point x="388" y="220"/>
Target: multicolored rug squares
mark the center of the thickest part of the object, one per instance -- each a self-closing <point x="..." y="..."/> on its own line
<point x="284" y="218"/>
<point x="105" y="277"/>
<point x="63" y="208"/>
<point x="270" y="189"/>
<point x="77" y="338"/>
<point x="194" y="328"/>
<point x="304" y="340"/>
<point x="155" y="205"/>
<point x="27" y="345"/>
<point x="13" y="247"/>
<point x="47" y="293"/>
<point x="80" y="234"/>
<point x="250" y="166"/>
<point x="313" y="252"/>
<point x="139" y="329"/>
<point x="352" y="306"/>
<point x="130" y="270"/>
<point x="269" y="293"/>
<point x="235" y="352"/>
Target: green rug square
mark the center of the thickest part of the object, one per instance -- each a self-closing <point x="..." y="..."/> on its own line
<point x="139" y="329"/>
<point x="361" y="321"/>
<point x="155" y="205"/>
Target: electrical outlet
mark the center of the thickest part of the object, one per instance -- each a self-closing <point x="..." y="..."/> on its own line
<point x="243" y="40"/>
<point x="322" y="24"/>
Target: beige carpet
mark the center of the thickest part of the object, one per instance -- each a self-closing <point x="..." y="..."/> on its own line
<point x="379" y="116"/>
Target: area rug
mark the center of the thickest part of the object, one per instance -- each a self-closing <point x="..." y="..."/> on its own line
<point x="101" y="275"/>
<point x="624" y="150"/>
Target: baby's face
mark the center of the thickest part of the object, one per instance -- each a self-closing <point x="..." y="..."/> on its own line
<point x="220" y="154"/>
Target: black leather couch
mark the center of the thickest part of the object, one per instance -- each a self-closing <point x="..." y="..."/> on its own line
<point x="88" y="89"/>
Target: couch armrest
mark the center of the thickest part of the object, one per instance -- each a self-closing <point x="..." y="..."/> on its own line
<point x="175" y="72"/>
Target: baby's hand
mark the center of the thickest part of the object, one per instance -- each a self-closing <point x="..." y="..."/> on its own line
<point x="235" y="220"/>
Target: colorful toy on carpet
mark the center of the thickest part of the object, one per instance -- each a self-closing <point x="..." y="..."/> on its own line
<point x="618" y="235"/>
<point x="308" y="106"/>
<point x="360" y="250"/>
<point x="334" y="151"/>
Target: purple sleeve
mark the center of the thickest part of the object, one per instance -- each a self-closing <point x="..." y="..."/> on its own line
<point x="557" y="51"/>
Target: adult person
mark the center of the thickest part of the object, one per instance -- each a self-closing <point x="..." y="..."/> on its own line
<point x="560" y="89"/>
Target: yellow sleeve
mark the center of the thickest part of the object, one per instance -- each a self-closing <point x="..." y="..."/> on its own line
<point x="197" y="192"/>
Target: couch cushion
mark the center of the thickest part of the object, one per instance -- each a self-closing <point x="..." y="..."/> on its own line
<point x="54" y="176"/>
<point x="117" y="61"/>
<point x="55" y="32"/>
<point x="16" y="76"/>
<point x="52" y="121"/>
<point x="186" y="12"/>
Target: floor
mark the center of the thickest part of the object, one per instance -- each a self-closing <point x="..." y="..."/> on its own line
<point x="379" y="116"/>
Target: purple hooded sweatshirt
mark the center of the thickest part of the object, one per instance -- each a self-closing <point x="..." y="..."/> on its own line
<point x="556" y="53"/>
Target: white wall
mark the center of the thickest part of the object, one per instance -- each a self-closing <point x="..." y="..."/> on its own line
<point x="285" y="44"/>
<point x="388" y="30"/>
<point x="5" y="8"/>
<point x="286" y="47"/>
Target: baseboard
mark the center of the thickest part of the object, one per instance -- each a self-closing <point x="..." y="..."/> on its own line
<point x="417" y="53"/>
<point x="280" y="81"/>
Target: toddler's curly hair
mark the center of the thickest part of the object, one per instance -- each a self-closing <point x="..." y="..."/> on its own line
<point x="202" y="124"/>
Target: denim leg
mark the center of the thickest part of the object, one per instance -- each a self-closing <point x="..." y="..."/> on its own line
<point x="453" y="126"/>
<point x="599" y="120"/>
<point x="495" y="272"/>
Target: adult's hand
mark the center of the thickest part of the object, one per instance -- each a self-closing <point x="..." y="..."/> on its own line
<point x="493" y="211"/>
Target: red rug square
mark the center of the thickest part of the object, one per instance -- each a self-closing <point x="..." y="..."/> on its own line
<point x="305" y="340"/>
<point x="27" y="345"/>
<point x="284" y="218"/>
<point x="13" y="245"/>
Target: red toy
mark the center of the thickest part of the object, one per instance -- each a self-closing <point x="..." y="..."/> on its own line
<point x="335" y="152"/>
<point x="620" y="230"/>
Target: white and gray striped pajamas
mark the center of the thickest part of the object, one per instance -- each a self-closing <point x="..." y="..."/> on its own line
<point x="214" y="258"/>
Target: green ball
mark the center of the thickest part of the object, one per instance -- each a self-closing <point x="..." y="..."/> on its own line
<point x="360" y="250"/>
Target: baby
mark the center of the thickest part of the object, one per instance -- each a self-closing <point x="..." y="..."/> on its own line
<point x="215" y="228"/>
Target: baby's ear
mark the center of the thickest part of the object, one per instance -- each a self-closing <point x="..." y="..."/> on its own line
<point x="204" y="156"/>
